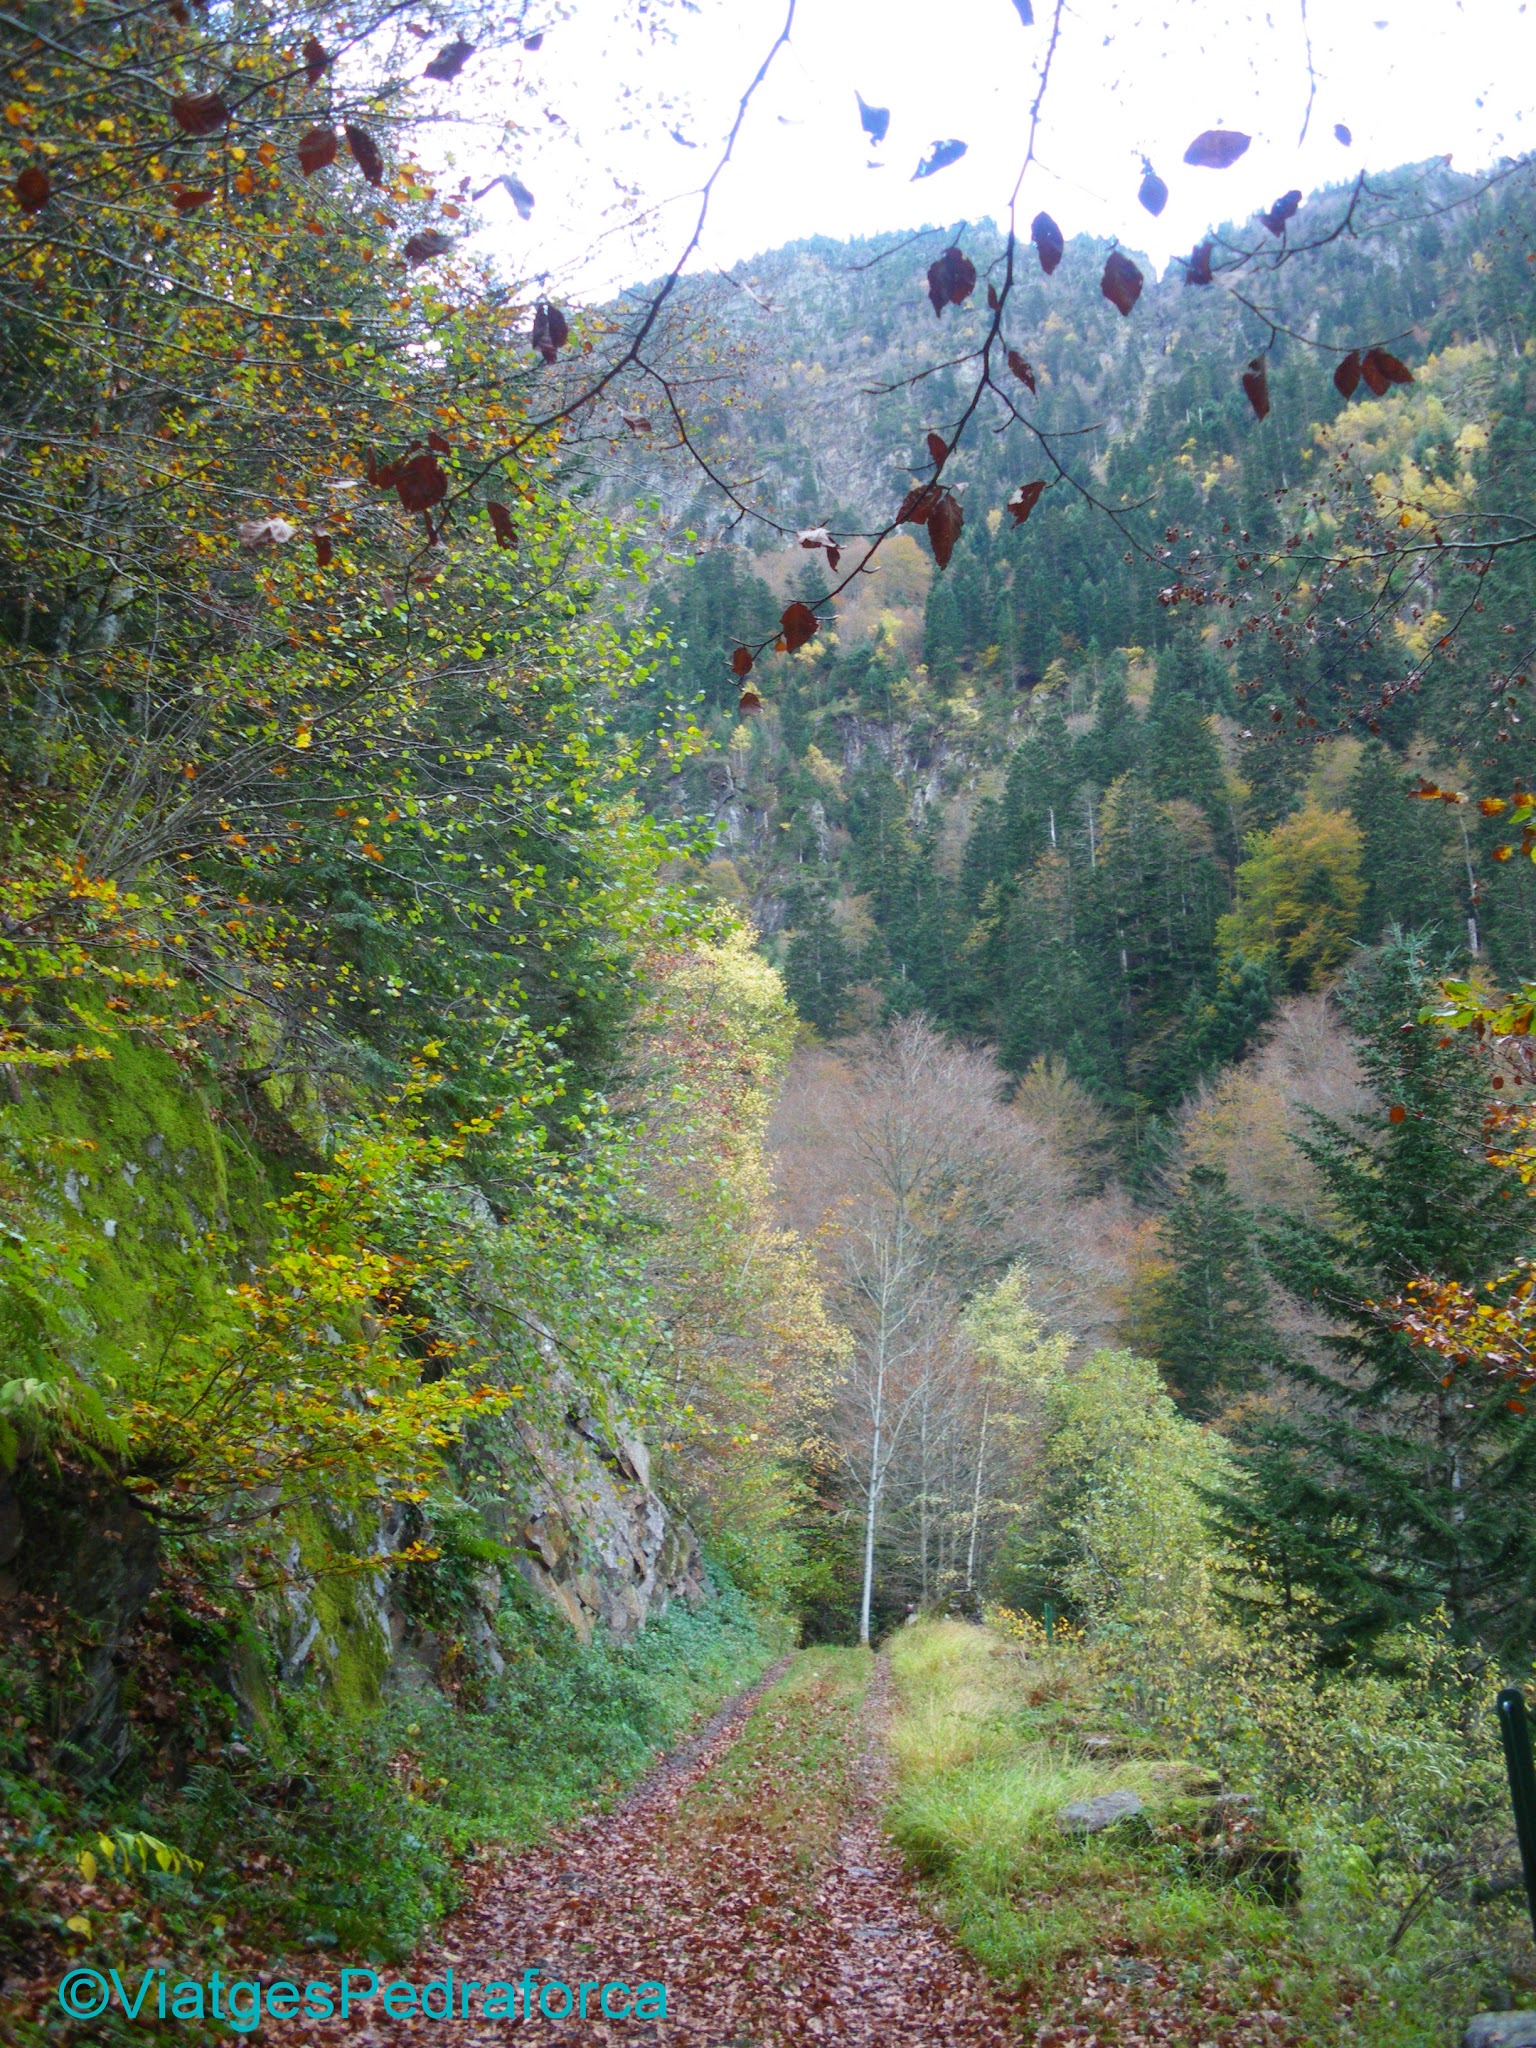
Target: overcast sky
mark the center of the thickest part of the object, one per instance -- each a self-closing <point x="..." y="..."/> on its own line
<point x="1409" y="81"/>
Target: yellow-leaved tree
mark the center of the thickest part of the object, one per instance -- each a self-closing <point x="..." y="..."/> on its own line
<point x="749" y="1353"/>
<point x="1299" y="893"/>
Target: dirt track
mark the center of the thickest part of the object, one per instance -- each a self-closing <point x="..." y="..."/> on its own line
<point x="756" y="1943"/>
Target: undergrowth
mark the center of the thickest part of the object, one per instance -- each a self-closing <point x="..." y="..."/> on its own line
<point x="993" y="1738"/>
<point x="342" y="1836"/>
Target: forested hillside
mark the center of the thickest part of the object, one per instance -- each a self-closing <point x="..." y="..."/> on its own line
<point x="1086" y="802"/>
<point x="690" y="972"/>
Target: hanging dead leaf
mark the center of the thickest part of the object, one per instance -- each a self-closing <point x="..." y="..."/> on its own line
<point x="325" y="552"/>
<point x="550" y="332"/>
<point x="1346" y="377"/>
<point x="944" y="524"/>
<point x="940" y="156"/>
<point x="951" y="280"/>
<point x="1216" y="149"/>
<point x="423" y="247"/>
<point x="534" y="42"/>
<point x="938" y="447"/>
<point x="316" y="61"/>
<point x="200" y="113"/>
<point x="1026" y="12"/>
<point x="1387" y="367"/>
<point x="1022" y="370"/>
<point x="501" y="524"/>
<point x="520" y="196"/>
<point x="317" y="148"/>
<point x="993" y="301"/>
<point x="266" y="533"/>
<point x="1256" y="384"/>
<point x="815" y="537"/>
<point x="421" y="481"/>
<point x="1198" y="269"/>
<point x="187" y="199"/>
<point x="1342" y="134"/>
<point x="1284" y="209"/>
<point x="1024" y="500"/>
<point x="1121" y="282"/>
<point x="1153" y="193"/>
<point x="917" y="504"/>
<point x="1047" y="238"/>
<point x="748" y="702"/>
<point x="799" y="624"/>
<point x="873" y="120"/>
<point x="834" y="556"/>
<point x="450" y="60"/>
<point x="365" y="153"/>
<point x="741" y="662"/>
<point x="32" y="189"/>
<point x="1372" y="372"/>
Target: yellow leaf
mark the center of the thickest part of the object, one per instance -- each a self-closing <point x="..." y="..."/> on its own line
<point x="88" y="1865"/>
<point x="78" y="1924"/>
<point x="302" y="737"/>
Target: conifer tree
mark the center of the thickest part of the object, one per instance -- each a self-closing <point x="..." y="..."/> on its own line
<point x="1183" y="761"/>
<point x="1379" y="1494"/>
<point x="1207" y="1321"/>
<point x="943" y="633"/>
<point x="1037" y="797"/>
<point x="1049" y="1004"/>
<point x="1405" y="847"/>
<point x="818" y="965"/>
<point x="1274" y="765"/>
<point x="1112" y="745"/>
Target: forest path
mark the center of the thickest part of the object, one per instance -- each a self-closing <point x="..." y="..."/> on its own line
<point x="750" y="1875"/>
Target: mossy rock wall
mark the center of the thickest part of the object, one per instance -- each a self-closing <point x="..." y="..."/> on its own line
<point x="154" y="1192"/>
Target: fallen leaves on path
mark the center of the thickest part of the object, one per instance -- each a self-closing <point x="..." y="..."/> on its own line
<point x="751" y="1875"/>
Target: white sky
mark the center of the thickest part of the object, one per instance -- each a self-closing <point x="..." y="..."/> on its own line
<point x="1410" y="78"/>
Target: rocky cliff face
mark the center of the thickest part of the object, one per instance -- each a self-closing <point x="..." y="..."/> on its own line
<point x="597" y="1541"/>
<point x="81" y="1561"/>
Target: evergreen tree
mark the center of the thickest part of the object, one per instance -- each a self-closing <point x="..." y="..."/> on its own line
<point x="1186" y="669"/>
<point x="1048" y="1004"/>
<point x="1038" y="794"/>
<point x="1405" y="848"/>
<point x="1207" y="1322"/>
<point x="1224" y="1021"/>
<point x="882" y="842"/>
<point x="1157" y="893"/>
<point x="1183" y="761"/>
<point x="1382" y="1495"/>
<point x="1274" y="765"/>
<point x="1112" y="745"/>
<point x="818" y="965"/>
<point x="943" y="633"/>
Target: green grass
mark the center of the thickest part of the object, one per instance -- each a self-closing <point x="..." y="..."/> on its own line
<point x="988" y="1748"/>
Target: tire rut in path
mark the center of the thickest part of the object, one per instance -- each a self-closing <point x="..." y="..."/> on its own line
<point x="756" y="1950"/>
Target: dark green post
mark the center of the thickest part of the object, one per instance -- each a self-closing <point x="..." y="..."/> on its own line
<point x="1050" y="1622"/>
<point x="1516" y="1731"/>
